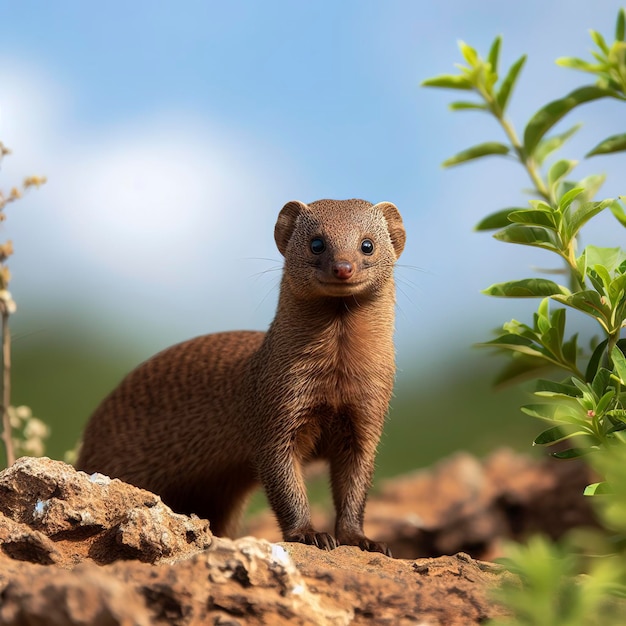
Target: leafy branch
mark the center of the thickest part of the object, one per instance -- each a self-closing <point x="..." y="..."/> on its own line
<point x="587" y="407"/>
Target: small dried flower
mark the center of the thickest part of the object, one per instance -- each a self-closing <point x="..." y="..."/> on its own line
<point x="6" y="300"/>
<point x="14" y="418"/>
<point x="6" y="250"/>
<point x="36" y="429"/>
<point x="31" y="447"/>
<point x="23" y="412"/>
<point x="34" y="181"/>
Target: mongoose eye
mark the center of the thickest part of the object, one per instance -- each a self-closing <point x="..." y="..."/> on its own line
<point x="317" y="245"/>
<point x="367" y="247"/>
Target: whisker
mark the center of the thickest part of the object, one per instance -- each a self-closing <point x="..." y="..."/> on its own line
<point x="414" y="304"/>
<point x="416" y="268"/>
<point x="406" y="281"/>
<point x="258" y="275"/>
<point x="261" y="258"/>
<point x="266" y="296"/>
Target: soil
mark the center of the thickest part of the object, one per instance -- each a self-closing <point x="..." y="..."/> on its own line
<point x="79" y="549"/>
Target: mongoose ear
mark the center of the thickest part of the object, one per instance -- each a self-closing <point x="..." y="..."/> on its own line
<point x="286" y="222"/>
<point x="394" y="224"/>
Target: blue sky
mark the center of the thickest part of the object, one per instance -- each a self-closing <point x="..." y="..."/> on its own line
<point x="172" y="134"/>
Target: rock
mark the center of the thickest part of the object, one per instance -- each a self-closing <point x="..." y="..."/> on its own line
<point x="23" y="544"/>
<point x="447" y="591"/>
<point x="92" y="517"/>
<point x="35" y="595"/>
<point x="466" y="505"/>
<point x="76" y="549"/>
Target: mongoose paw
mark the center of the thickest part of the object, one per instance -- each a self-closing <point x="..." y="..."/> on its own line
<point x="366" y="544"/>
<point x="374" y="546"/>
<point x="323" y="541"/>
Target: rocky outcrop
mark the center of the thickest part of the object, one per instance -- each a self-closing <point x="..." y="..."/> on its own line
<point x="79" y="549"/>
<point x="61" y="516"/>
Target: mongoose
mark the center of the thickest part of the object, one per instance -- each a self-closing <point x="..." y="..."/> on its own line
<point x="204" y="422"/>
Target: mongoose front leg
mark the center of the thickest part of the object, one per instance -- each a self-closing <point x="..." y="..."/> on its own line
<point x="285" y="489"/>
<point x="351" y="470"/>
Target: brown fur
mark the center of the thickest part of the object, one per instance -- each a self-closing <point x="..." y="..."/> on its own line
<point x="203" y="422"/>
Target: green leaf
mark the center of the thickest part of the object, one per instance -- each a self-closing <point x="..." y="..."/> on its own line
<point x="551" y="386"/>
<point x="544" y="384"/>
<point x="615" y="143"/>
<point x="465" y="106"/>
<point x="599" y="385"/>
<point x="526" y="288"/>
<point x="519" y="368"/>
<point x="551" y="113"/>
<point x="556" y="412"/>
<point x="530" y="236"/>
<point x="517" y="328"/>
<point x="555" y="434"/>
<point x="598" y="39"/>
<point x="560" y="398"/>
<point x="591" y="185"/>
<point x="584" y="387"/>
<point x="619" y="415"/>
<point x="620" y="25"/>
<point x="598" y="489"/>
<point x="553" y="337"/>
<point x="448" y="81"/>
<point x="605" y="400"/>
<point x="609" y="258"/>
<point x="595" y="362"/>
<point x="568" y="197"/>
<point x="469" y="54"/>
<point x="587" y="302"/>
<point x="506" y="88"/>
<point x="572" y="453"/>
<point x="619" y="364"/>
<point x="550" y="144"/>
<point x="575" y="220"/>
<point x="570" y="349"/>
<point x="494" y="54"/>
<point x="518" y="344"/>
<point x="499" y="219"/>
<point x="475" y="152"/>
<point x="578" y="64"/>
<point x="618" y="212"/>
<point x="533" y="217"/>
<point x="616" y="289"/>
<point x="559" y="170"/>
<point x="597" y="280"/>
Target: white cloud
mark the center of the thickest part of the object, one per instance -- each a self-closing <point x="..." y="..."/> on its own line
<point x="140" y="202"/>
<point x="159" y="213"/>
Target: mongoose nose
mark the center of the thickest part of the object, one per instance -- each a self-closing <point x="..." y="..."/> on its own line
<point x="343" y="269"/>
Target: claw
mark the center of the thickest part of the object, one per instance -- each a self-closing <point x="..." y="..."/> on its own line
<point x="374" y="546"/>
<point x="366" y="544"/>
<point x="323" y="541"/>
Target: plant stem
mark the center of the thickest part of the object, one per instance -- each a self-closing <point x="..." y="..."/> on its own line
<point x="524" y="159"/>
<point x="6" y="388"/>
<point x="577" y="281"/>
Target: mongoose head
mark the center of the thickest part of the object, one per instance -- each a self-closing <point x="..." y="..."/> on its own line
<point x="339" y="248"/>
